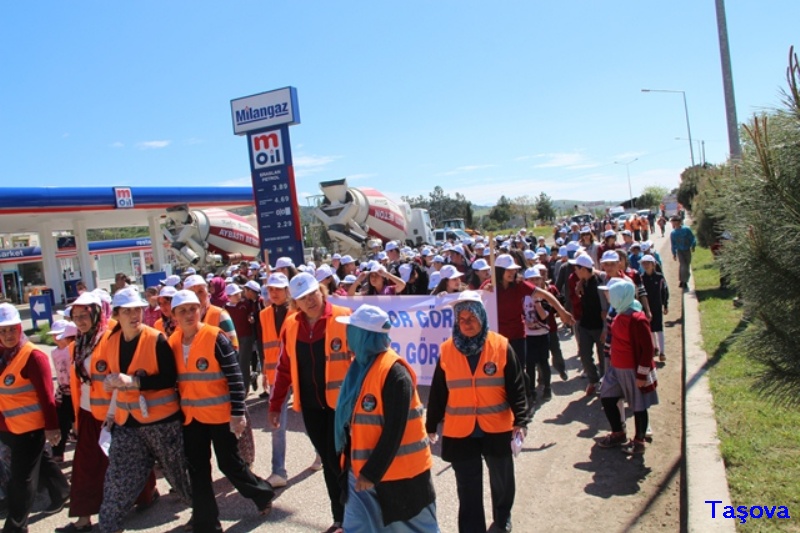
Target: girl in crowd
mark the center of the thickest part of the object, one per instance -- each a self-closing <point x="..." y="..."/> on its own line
<point x="64" y="332"/>
<point x="537" y="336"/>
<point x="450" y="280"/>
<point x="658" y="297"/>
<point x="379" y="281"/>
<point x="165" y="324"/>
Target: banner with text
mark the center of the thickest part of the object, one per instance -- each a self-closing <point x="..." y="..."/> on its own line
<point x="420" y="324"/>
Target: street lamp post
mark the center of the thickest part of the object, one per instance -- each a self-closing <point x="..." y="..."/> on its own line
<point x="628" y="171"/>
<point x="686" y="111"/>
<point x="701" y="149"/>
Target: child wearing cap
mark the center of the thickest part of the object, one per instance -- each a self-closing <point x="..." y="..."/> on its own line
<point x="658" y="298"/>
<point x="63" y="333"/>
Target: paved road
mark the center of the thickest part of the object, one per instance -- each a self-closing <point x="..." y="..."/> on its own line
<point x="564" y="483"/>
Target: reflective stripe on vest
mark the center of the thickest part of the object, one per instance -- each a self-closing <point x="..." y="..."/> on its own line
<point x="337" y="359"/>
<point x="19" y="402"/>
<point x="99" y="398"/>
<point x="270" y="341"/>
<point x="413" y="456"/>
<point x="203" y="387"/>
<point x="478" y="398"/>
<point x="160" y="404"/>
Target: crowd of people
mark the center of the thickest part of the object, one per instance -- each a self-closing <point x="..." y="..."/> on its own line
<point x="147" y="383"/>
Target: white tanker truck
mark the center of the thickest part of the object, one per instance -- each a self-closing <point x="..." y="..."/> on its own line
<point x="352" y="215"/>
<point x="207" y="238"/>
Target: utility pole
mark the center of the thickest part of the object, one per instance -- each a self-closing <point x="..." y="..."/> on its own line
<point x="734" y="146"/>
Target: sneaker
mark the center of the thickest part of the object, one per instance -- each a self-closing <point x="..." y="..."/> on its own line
<point x="563" y="375"/>
<point x="612" y="440"/>
<point x="316" y="466"/>
<point x="662" y="357"/>
<point x="277" y="481"/>
<point x="264" y="395"/>
<point x="648" y="434"/>
<point x="547" y="395"/>
<point x="634" y="447"/>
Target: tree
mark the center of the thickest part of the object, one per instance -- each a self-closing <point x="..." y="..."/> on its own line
<point x="690" y="178"/>
<point x="441" y="206"/>
<point x="544" y="208"/>
<point x="652" y="196"/>
<point x="525" y="208"/>
<point x="501" y="213"/>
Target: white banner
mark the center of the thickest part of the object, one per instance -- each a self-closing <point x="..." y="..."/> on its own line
<point x="420" y="324"/>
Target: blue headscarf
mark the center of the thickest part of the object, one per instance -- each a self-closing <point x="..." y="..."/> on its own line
<point x="470" y="346"/>
<point x="622" y="296"/>
<point x="367" y="346"/>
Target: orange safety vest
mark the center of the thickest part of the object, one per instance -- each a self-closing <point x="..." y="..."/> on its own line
<point x="99" y="399"/>
<point x="160" y="403"/>
<point x="159" y="325"/>
<point x="202" y="386"/>
<point x="480" y="397"/>
<point x="19" y="403"/>
<point x="337" y="357"/>
<point x="213" y="317"/>
<point x="413" y="457"/>
<point x="270" y="342"/>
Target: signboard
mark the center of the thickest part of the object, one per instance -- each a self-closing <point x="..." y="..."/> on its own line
<point x="41" y="309"/>
<point x="275" y="195"/>
<point x="420" y="324"/>
<point x="124" y="197"/>
<point x="265" y="110"/>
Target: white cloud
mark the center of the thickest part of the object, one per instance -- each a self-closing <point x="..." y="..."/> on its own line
<point x="463" y="169"/>
<point x="116" y="145"/>
<point x="570" y="160"/>
<point x="357" y="177"/>
<point x="147" y="145"/>
<point x="305" y="165"/>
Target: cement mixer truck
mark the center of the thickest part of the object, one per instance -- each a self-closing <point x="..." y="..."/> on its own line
<point x="207" y="238"/>
<point x="353" y="215"/>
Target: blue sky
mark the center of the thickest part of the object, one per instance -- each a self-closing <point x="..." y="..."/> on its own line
<point x="482" y="98"/>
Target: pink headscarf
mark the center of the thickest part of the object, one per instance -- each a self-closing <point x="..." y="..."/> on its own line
<point x="217" y="292"/>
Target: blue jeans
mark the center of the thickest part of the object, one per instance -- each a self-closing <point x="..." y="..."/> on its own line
<point x="362" y="514"/>
<point x="279" y="443"/>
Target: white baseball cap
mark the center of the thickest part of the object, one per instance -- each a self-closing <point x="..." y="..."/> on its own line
<point x="209" y="276"/>
<point x="647" y="259"/>
<point x="284" y="262"/>
<point x="334" y="257"/>
<point x="278" y="280"/>
<point x="405" y="271"/>
<point x="467" y="296"/>
<point x="480" y="264"/>
<point x="324" y="271"/>
<point x="171" y="281"/>
<point x="255" y="265"/>
<point x="646" y="246"/>
<point x="183" y="297"/>
<point x="58" y="327"/>
<point x="434" y="280"/>
<point x="426" y="252"/>
<point x="193" y="281"/>
<point x="377" y="267"/>
<point x="541" y="251"/>
<point x="532" y="273"/>
<point x="232" y="289"/>
<point x="382" y="256"/>
<point x="87" y="298"/>
<point x="391" y="245"/>
<point x="438" y="259"/>
<point x="71" y="330"/>
<point x="609" y="233"/>
<point x="582" y="260"/>
<point x="458" y="248"/>
<point x="167" y="292"/>
<point x="562" y="251"/>
<point x="506" y="261"/>
<point x="128" y="297"/>
<point x="102" y="295"/>
<point x="9" y="316"/>
<point x="349" y="279"/>
<point x="586" y="229"/>
<point x="450" y="272"/>
<point x="346" y="260"/>
<point x="190" y="271"/>
<point x="253" y="286"/>
<point x="368" y="317"/>
<point x="302" y="284"/>
<point x="609" y="256"/>
<point x="529" y="254"/>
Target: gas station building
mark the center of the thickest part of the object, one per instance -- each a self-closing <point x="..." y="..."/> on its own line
<point x="61" y="217"/>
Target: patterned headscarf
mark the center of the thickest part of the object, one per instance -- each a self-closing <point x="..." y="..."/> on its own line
<point x="470" y="346"/>
<point x="85" y="343"/>
<point x="8" y="354"/>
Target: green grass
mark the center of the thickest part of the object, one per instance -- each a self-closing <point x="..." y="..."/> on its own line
<point x="760" y="441"/>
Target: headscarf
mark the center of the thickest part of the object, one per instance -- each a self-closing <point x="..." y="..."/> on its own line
<point x="8" y="354"/>
<point x="470" y="346"/>
<point x="367" y="346"/>
<point x="622" y="296"/>
<point x="85" y="343"/>
<point x="217" y="291"/>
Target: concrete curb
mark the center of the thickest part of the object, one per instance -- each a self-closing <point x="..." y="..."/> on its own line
<point x="704" y="469"/>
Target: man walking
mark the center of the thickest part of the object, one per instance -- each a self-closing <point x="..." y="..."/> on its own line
<point x="683" y="244"/>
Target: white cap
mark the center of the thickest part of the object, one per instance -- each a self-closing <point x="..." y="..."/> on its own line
<point x="391" y="245"/>
<point x="284" y="262"/>
<point x="480" y="264"/>
<point x="171" y="281"/>
<point x="334" y="257"/>
<point x="426" y="252"/>
<point x="346" y="260"/>
<point x="66" y="312"/>
<point x="278" y="280"/>
<point x="560" y="241"/>
<point x="58" y="327"/>
<point x="377" y="267"/>
<point x="9" y="316"/>
<point x="529" y="254"/>
<point x="405" y="271"/>
<point x="586" y="229"/>
<point x="382" y="256"/>
<point x="609" y="256"/>
<point x="636" y="244"/>
<point x="255" y="265"/>
<point x="541" y="268"/>
<point x="627" y="232"/>
<point x="232" y="289"/>
<point x="193" y="281"/>
<point x="562" y="251"/>
<point x="647" y="259"/>
<point x="532" y="273"/>
<point x="541" y="251"/>
<point x="468" y="240"/>
<point x="438" y="259"/>
<point x="87" y="298"/>
<point x="467" y="296"/>
<point x="253" y="286"/>
<point x="302" y="285"/>
<point x="487" y="252"/>
<point x="184" y="297"/>
<point x="450" y="272"/>
<point x="609" y="233"/>
<point x="167" y="292"/>
<point x="128" y="297"/>
<point x="458" y="248"/>
<point x="209" y="276"/>
<point x="102" y="296"/>
<point x="540" y="238"/>
<point x="324" y="271"/>
<point x="433" y="280"/>
<point x="228" y="280"/>
<point x="573" y="246"/>
<point x="646" y="246"/>
<point x="349" y="279"/>
<point x="368" y="317"/>
<point x="71" y="330"/>
<point x="582" y="260"/>
<point x="506" y="261"/>
<point x="190" y="271"/>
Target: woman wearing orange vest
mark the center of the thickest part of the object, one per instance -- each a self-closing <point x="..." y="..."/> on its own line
<point x="212" y="396"/>
<point x="479" y="392"/>
<point x="211" y="314"/>
<point x="147" y="420"/>
<point x="314" y="360"/>
<point x="27" y="418"/>
<point x="165" y="324"/>
<point x="272" y="318"/>
<point x="381" y="434"/>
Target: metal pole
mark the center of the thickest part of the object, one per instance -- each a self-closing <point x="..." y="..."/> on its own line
<point x="734" y="146"/>
<point x="688" y="128"/>
<point x="630" y="189"/>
